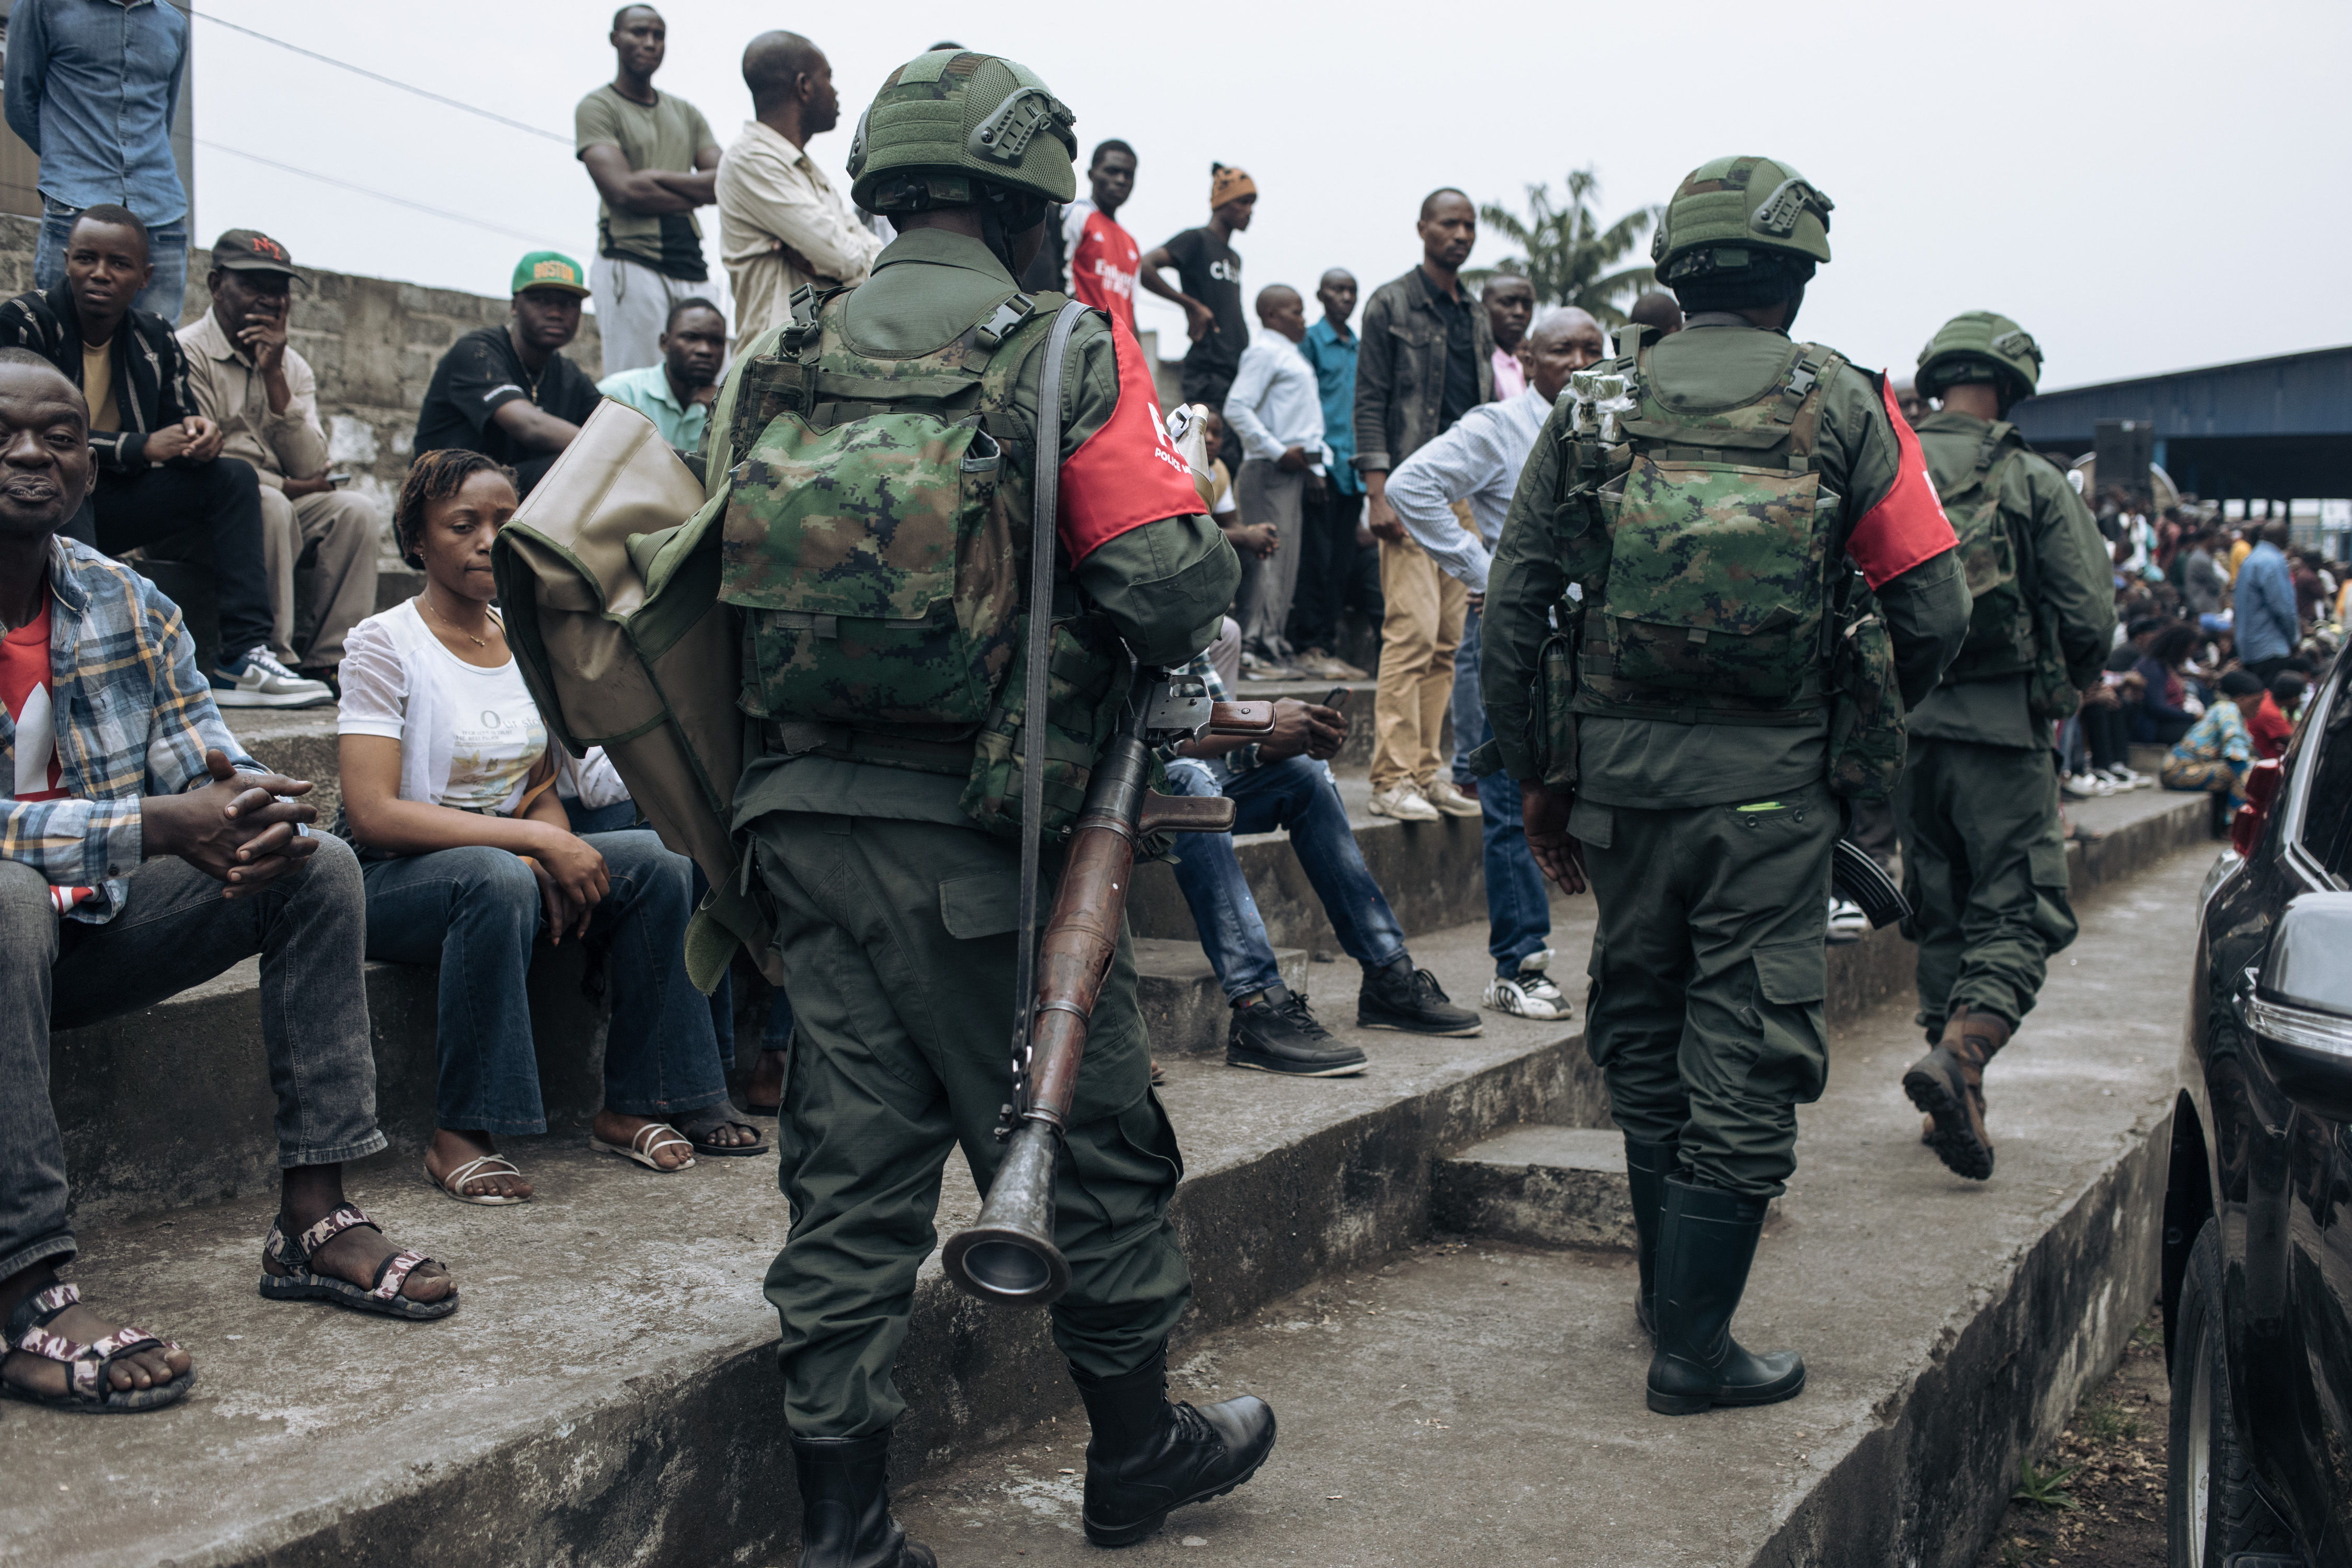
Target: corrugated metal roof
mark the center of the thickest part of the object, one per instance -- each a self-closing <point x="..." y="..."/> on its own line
<point x="2305" y="393"/>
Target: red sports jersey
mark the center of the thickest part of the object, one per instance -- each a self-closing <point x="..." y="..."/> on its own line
<point x="25" y="694"/>
<point x="1129" y="473"/>
<point x="1104" y="261"/>
<point x="1907" y="526"/>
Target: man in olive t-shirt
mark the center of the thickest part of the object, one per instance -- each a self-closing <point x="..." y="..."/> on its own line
<point x="654" y="161"/>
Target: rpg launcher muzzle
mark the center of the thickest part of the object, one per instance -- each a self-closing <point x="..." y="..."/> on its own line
<point x="1007" y="1256"/>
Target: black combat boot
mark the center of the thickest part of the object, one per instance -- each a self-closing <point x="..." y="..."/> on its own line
<point x="1149" y="1455"/>
<point x="1402" y="997"/>
<point x="1647" y="1166"/>
<point x="1273" y="1032"/>
<point x="845" y="1505"/>
<point x="1708" y="1241"/>
<point x="1947" y="1083"/>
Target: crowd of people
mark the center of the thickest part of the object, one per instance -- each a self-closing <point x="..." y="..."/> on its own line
<point x="1368" y="470"/>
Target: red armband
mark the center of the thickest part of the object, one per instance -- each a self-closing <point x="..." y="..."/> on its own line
<point x="1129" y="473"/>
<point x="1907" y="525"/>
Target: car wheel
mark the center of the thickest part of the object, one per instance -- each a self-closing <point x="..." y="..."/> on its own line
<point x="2213" y="1508"/>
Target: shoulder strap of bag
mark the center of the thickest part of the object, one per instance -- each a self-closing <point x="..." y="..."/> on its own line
<point x="1043" y="512"/>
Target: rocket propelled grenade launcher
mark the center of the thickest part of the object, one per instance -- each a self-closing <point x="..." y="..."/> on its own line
<point x="1007" y="1256"/>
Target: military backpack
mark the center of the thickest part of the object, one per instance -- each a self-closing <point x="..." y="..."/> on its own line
<point x="2005" y="634"/>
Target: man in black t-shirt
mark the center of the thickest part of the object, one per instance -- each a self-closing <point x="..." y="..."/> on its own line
<point x="508" y="392"/>
<point x="1211" y="273"/>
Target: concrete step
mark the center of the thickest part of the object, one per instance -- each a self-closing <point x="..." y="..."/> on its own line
<point x="1490" y="1395"/>
<point x="1188" y="1010"/>
<point x="1538" y="1187"/>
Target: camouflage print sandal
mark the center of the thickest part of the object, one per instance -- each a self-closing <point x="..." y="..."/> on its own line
<point x="86" y="1388"/>
<point x="301" y="1283"/>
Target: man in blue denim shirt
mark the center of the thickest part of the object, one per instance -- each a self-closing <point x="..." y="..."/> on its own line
<point x="92" y="86"/>
<point x="1284" y="782"/>
<point x="1333" y="569"/>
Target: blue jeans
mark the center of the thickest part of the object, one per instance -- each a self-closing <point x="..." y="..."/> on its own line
<point x="1299" y="796"/>
<point x="1518" y="911"/>
<point x="476" y="912"/>
<point x="166" y="294"/>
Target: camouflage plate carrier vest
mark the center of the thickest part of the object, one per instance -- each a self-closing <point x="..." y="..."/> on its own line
<point x="1714" y="587"/>
<point x="2004" y="637"/>
<point x="876" y="545"/>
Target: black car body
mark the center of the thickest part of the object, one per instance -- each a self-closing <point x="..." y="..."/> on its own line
<point x="2258" y="1209"/>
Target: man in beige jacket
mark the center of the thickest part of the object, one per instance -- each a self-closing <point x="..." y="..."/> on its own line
<point x="781" y="222"/>
<point x="262" y="395"/>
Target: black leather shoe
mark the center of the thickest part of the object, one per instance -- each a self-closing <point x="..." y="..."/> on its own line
<point x="1147" y="1456"/>
<point x="1647" y="1166"/>
<point x="845" y="1505"/>
<point x="1402" y="997"/>
<point x="1704" y="1248"/>
<point x="1273" y="1032"/>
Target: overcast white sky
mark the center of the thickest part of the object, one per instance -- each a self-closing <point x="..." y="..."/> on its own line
<point x="2144" y="187"/>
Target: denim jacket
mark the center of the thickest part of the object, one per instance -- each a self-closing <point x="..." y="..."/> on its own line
<point x="1400" y="370"/>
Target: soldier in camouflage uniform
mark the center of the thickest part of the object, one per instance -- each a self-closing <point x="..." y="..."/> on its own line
<point x="1984" y="856"/>
<point x="876" y="819"/>
<point x="1693" y="723"/>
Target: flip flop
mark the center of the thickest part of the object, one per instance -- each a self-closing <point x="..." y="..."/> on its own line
<point x="301" y="1283"/>
<point x="641" y="1147"/>
<point x="698" y="1126"/>
<point x="455" y="1184"/>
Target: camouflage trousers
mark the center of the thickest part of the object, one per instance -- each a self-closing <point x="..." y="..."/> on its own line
<point x="1984" y="865"/>
<point x="898" y="945"/>
<point x="1708" y="974"/>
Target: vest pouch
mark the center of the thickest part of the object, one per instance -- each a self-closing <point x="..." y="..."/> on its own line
<point x="2001" y="639"/>
<point x="873" y="563"/>
<point x="1552" y="716"/>
<point x="1086" y="681"/>
<point x="1866" y="734"/>
<point x="1714" y="583"/>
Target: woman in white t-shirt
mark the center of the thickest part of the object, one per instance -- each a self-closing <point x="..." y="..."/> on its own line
<point x="448" y="792"/>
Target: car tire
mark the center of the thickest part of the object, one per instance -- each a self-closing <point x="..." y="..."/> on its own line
<point x="2212" y="1509"/>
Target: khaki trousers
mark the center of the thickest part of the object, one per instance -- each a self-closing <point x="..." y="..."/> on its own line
<point x="343" y="530"/>
<point x="1421" y="629"/>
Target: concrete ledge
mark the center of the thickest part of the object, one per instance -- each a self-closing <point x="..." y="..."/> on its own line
<point x="1538" y="1187"/>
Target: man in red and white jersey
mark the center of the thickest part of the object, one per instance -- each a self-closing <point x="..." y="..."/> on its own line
<point x="1104" y="257"/>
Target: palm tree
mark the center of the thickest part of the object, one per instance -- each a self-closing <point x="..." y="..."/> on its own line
<point x="1565" y="252"/>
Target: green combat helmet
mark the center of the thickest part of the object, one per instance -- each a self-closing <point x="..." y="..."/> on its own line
<point x="1728" y="211"/>
<point x="1977" y="346"/>
<point x="951" y="120"/>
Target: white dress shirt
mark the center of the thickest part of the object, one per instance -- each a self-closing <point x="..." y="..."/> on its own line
<point x="1274" y="403"/>
<point x="1477" y="461"/>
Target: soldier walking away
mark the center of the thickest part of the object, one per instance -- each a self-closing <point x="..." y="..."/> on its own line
<point x="1718" y="690"/>
<point x="1984" y="856"/>
<point x="876" y="815"/>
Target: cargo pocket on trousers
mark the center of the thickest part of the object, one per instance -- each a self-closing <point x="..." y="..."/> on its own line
<point x="985" y="905"/>
<point x="2053" y="910"/>
<point x="1792" y="1061"/>
<point x="1128" y="1164"/>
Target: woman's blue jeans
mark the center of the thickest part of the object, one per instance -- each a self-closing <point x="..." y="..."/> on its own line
<point x="477" y="911"/>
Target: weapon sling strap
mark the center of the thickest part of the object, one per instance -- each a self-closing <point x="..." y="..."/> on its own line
<point x="1044" y="535"/>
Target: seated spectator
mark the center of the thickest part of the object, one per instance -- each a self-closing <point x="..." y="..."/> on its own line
<point x="2203" y="581"/>
<point x="1276" y="409"/>
<point x="264" y="398"/>
<point x="2166" y="711"/>
<point x="677" y="393"/>
<point x="164" y="488"/>
<point x="1284" y="782"/>
<point x="467" y="853"/>
<point x="2271" y="721"/>
<point x="508" y="392"/>
<point x="145" y="853"/>
<point x="2216" y="753"/>
<point x="1253" y="540"/>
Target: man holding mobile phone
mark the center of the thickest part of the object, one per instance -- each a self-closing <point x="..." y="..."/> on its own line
<point x="251" y="383"/>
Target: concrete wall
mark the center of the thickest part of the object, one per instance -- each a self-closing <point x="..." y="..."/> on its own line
<point x="372" y="342"/>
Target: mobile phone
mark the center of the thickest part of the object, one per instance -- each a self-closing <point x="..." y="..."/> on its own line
<point x="338" y="480"/>
<point x="1338" y="698"/>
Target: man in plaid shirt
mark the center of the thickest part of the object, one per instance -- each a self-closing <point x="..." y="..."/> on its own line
<point x="142" y="852"/>
<point x="1284" y="782"/>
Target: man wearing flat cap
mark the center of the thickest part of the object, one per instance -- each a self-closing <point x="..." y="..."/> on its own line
<point x="251" y="383"/>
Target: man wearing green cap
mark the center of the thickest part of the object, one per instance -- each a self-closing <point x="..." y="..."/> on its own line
<point x="1984" y="856"/>
<point x="1716" y="691"/>
<point x="508" y="392"/>
<point x="895" y="911"/>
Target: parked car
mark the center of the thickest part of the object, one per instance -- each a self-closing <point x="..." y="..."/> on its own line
<point x="2258" y="1207"/>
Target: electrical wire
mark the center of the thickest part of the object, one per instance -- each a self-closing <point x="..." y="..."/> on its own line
<point x="369" y="191"/>
<point x="386" y="80"/>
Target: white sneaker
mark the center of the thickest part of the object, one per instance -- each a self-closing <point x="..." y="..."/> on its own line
<point x="1404" y="802"/>
<point x="1255" y="667"/>
<point x="2124" y="778"/>
<point x="1448" y="798"/>
<point x="257" y="680"/>
<point x="1847" y="922"/>
<point x="1530" y="993"/>
<point x="2090" y="786"/>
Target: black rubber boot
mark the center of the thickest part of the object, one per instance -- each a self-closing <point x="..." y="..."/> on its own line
<point x="1273" y="1032"/>
<point x="1709" y="1240"/>
<point x="1647" y="1166"/>
<point x="1147" y="1456"/>
<point x="845" y="1505"/>
<point x="1407" y="999"/>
